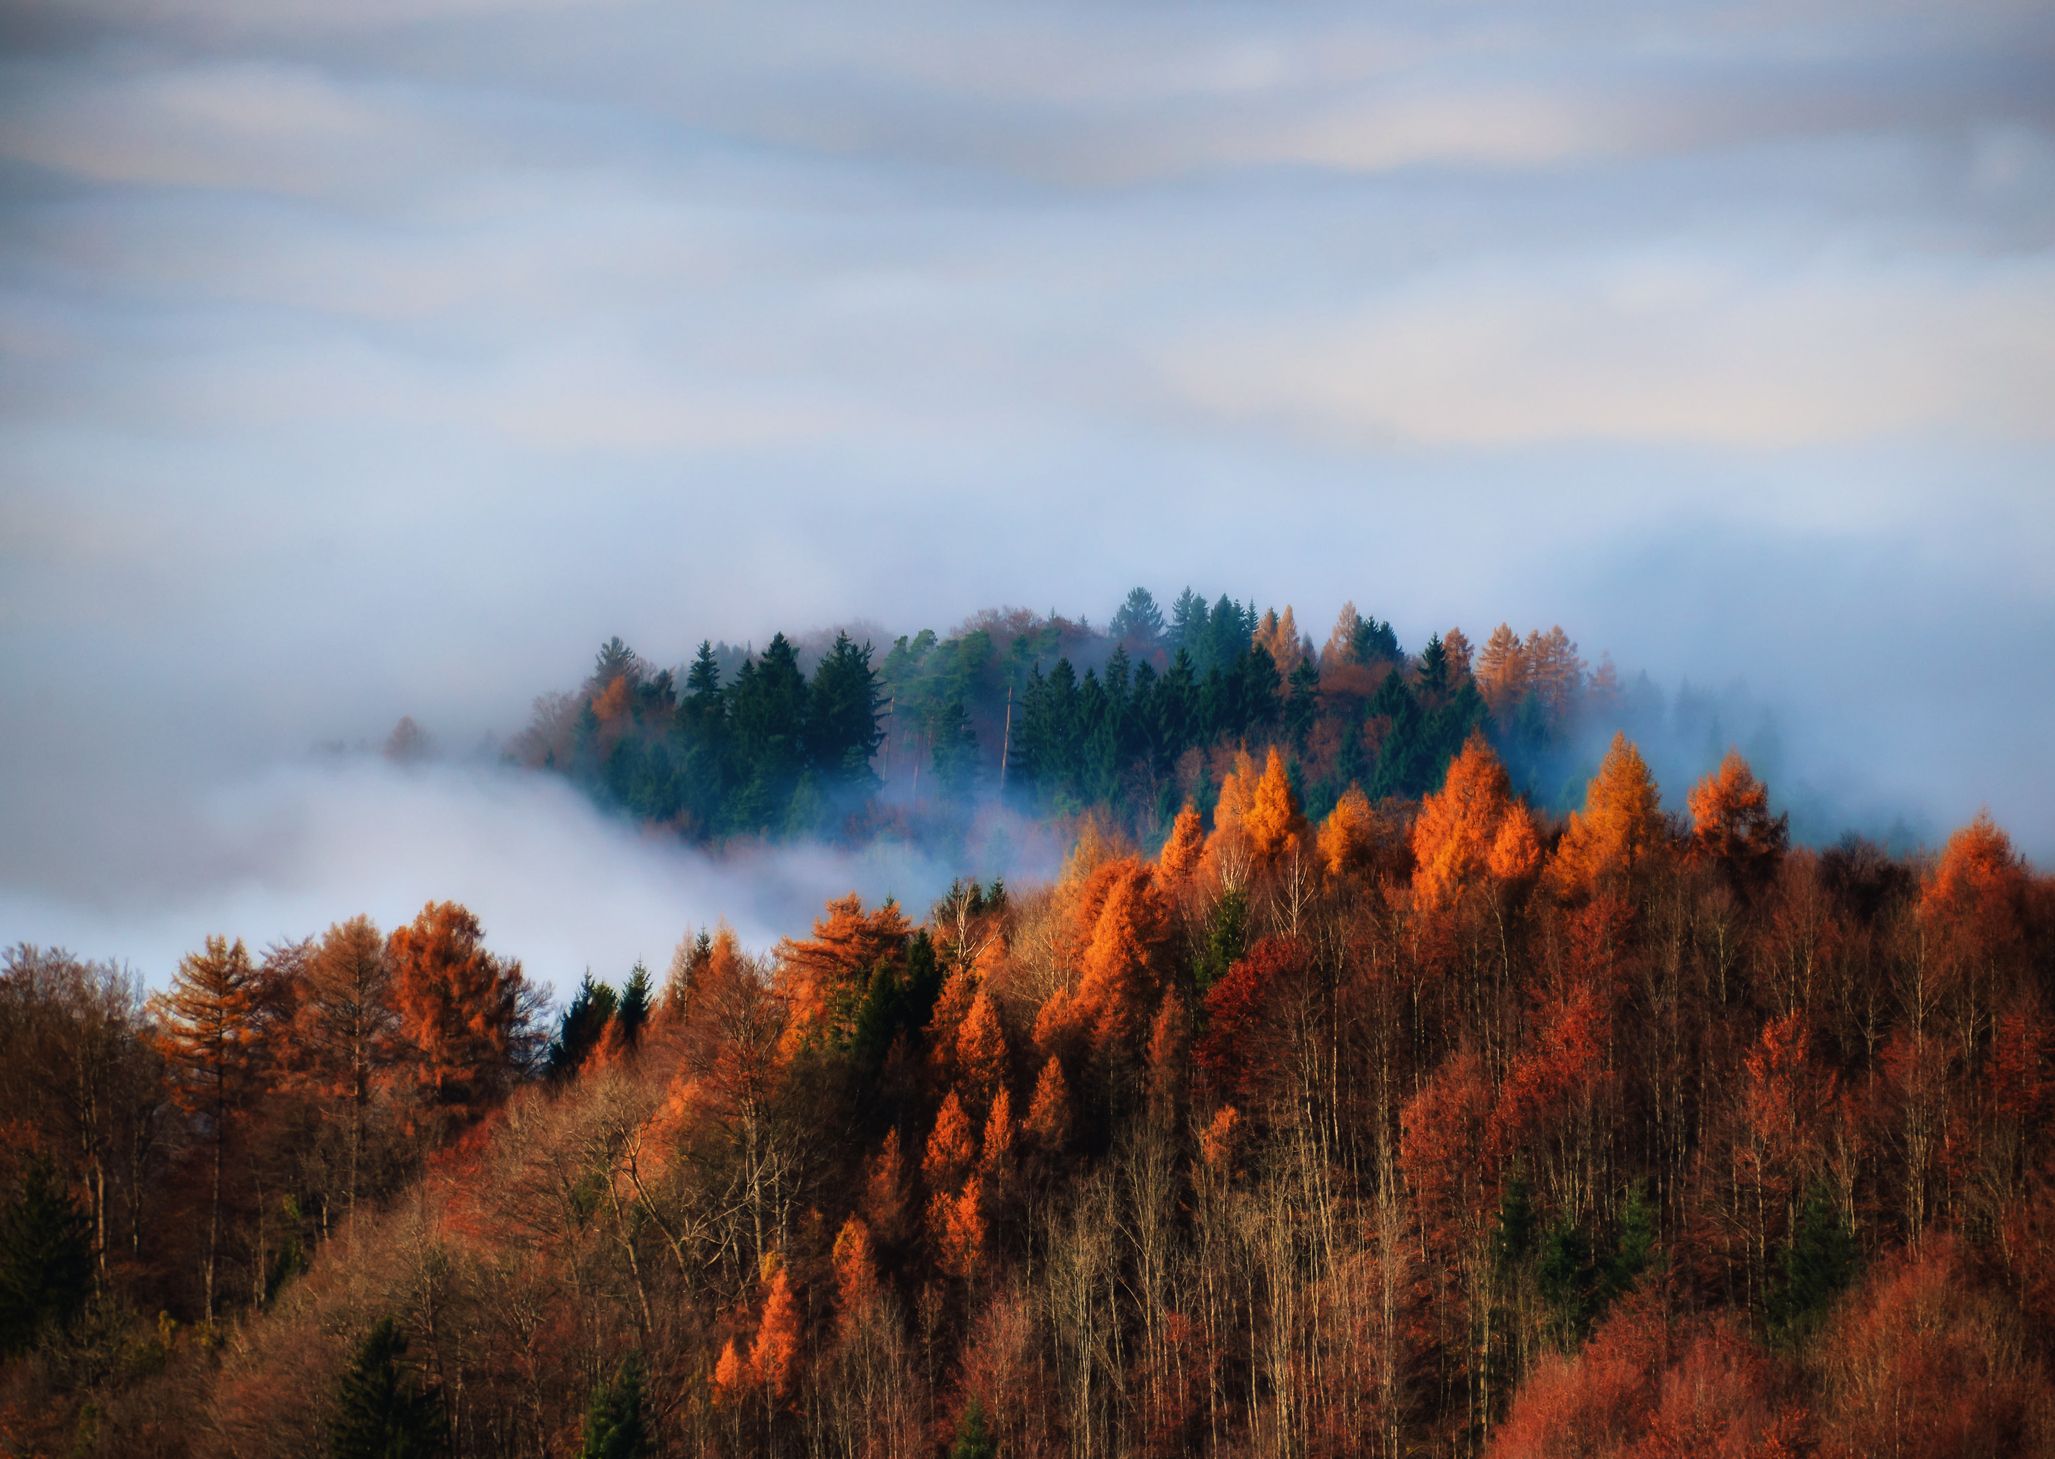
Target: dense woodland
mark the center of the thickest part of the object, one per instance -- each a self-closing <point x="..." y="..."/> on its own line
<point x="1054" y="717"/>
<point x="1374" y="1098"/>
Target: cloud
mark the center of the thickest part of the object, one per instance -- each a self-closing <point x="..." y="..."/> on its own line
<point x="1651" y="348"/>
<point x="285" y="852"/>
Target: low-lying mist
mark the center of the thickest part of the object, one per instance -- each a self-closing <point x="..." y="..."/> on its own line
<point x="558" y="883"/>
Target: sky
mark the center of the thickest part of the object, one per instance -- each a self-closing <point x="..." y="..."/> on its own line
<point x="359" y="360"/>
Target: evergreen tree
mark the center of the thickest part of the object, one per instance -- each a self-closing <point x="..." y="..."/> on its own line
<point x="1187" y="633"/>
<point x="46" y="1258"/>
<point x="379" y="1413"/>
<point x="1225" y="940"/>
<point x="614" y="1424"/>
<point x="1137" y="620"/>
<point x="973" y="1438"/>
<point x="631" y="1012"/>
<point x="1814" y="1265"/>
<point x="767" y="720"/>
<point x="1302" y="705"/>
<point x="842" y="730"/>
<point x="953" y="748"/>
<point x="1434" y="668"/>
<point x="581" y="1028"/>
<point x="615" y="660"/>
<point x="1376" y="643"/>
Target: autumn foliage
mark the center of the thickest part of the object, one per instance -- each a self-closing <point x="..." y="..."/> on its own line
<point x="1435" y="1126"/>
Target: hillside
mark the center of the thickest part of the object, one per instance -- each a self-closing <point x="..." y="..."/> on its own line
<point x="1438" y="1127"/>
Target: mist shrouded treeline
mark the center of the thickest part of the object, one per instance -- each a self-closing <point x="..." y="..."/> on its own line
<point x="826" y="735"/>
<point x="1434" y="1124"/>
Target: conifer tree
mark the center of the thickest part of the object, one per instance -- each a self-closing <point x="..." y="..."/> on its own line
<point x="379" y="1412"/>
<point x="46" y="1258"/>
<point x="210" y="1017"/>
<point x="614" y="1424"/>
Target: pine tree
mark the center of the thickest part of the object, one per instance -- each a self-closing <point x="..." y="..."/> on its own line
<point x="631" y="1012"/>
<point x="379" y="1413"/>
<point x="973" y="1439"/>
<point x="1137" y="621"/>
<point x="614" y="1424"/>
<point x="583" y="1025"/>
<point x="842" y="730"/>
<point x="46" y="1258"/>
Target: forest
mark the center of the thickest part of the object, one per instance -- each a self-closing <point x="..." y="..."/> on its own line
<point x="1388" y="1071"/>
<point x="825" y="736"/>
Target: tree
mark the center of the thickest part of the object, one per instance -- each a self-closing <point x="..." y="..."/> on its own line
<point x="1732" y="828"/>
<point x="46" y="1258"/>
<point x="614" y="1424"/>
<point x="582" y="1027"/>
<point x="768" y="723"/>
<point x="346" y="1029"/>
<point x="774" y="1354"/>
<point x="824" y="977"/>
<point x="842" y="730"/>
<point x="1460" y="826"/>
<point x="466" y="1012"/>
<point x="1182" y="848"/>
<point x="1272" y="821"/>
<point x="210" y="1041"/>
<point x="1348" y="837"/>
<point x="1137" y="621"/>
<point x="632" y="1011"/>
<point x="1620" y="828"/>
<point x="973" y="1437"/>
<point x="379" y="1411"/>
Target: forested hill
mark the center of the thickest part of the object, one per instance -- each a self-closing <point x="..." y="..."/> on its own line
<point x="1446" y="1131"/>
<point x="1134" y="721"/>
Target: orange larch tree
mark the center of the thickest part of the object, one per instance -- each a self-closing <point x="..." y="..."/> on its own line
<point x="1732" y="828"/>
<point x="1620" y="829"/>
<point x="1459" y="826"/>
<point x="823" y="976"/>
<point x="467" y="1013"/>
<point x="211" y="1043"/>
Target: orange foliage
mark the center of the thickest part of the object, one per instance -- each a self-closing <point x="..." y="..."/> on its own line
<point x="1120" y="972"/>
<point x="1924" y="1364"/>
<point x="1456" y="645"/>
<point x="884" y="1190"/>
<point x="1731" y="824"/>
<point x="613" y="701"/>
<point x="774" y="1355"/>
<point x="1272" y="823"/>
<point x="729" y="1375"/>
<point x="1638" y="1390"/>
<point x="1502" y="670"/>
<point x="960" y="1230"/>
<point x="1048" y="1117"/>
<point x="997" y="1145"/>
<point x="857" y="1287"/>
<point x="952" y="1146"/>
<point x="1973" y="904"/>
<point x="981" y="1057"/>
<point x="460" y="1006"/>
<point x="1443" y="1151"/>
<point x="1457" y="835"/>
<point x="1220" y="1139"/>
<point x="1348" y="837"/>
<point x="1620" y="828"/>
<point x="822" y="977"/>
<point x="1182" y="850"/>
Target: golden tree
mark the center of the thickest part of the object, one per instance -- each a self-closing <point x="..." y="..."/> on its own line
<point x="1620" y="828"/>
<point x="1459" y="826"/>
